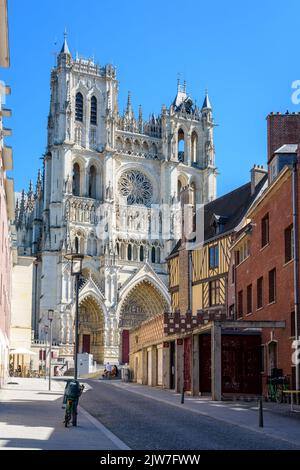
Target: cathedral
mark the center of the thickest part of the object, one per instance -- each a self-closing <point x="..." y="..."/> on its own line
<point x="111" y="188"/>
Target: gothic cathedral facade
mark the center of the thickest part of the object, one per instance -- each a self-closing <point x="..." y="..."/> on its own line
<point x="110" y="189"/>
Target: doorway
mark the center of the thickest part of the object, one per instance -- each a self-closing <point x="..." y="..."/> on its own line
<point x="86" y="344"/>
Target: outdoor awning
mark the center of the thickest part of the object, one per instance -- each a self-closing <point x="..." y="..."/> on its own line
<point x="22" y="351"/>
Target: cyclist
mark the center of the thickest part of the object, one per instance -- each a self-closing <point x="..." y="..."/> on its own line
<point x="73" y="390"/>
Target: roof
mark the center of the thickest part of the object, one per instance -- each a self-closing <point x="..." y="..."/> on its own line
<point x="287" y="148"/>
<point x="206" y="103"/>
<point x="229" y="210"/>
<point x="65" y="47"/>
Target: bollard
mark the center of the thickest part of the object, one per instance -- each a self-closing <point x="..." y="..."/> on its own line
<point x="182" y="395"/>
<point x="261" y="416"/>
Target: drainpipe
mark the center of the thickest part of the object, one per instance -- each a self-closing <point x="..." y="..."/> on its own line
<point x="296" y="258"/>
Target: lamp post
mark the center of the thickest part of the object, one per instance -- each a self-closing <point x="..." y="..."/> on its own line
<point x="50" y="318"/>
<point x="46" y="328"/>
<point x="76" y="270"/>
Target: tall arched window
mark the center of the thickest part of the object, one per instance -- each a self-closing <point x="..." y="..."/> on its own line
<point x="79" y="107"/>
<point x="153" y="255"/>
<point x="180" y="145"/>
<point x="92" y="182"/>
<point x="194" y="142"/>
<point x="76" y="180"/>
<point x="129" y="253"/>
<point x="76" y="245"/>
<point x="141" y="253"/>
<point x="94" y="110"/>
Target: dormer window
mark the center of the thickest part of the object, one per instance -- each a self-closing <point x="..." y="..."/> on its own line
<point x="218" y="223"/>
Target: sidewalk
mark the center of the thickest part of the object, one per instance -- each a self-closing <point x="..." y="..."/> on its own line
<point x="278" y="422"/>
<point x="31" y="417"/>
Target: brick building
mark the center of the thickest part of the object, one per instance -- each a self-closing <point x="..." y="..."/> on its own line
<point x="263" y="278"/>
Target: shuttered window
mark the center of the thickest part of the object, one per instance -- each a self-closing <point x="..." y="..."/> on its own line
<point x="259" y="288"/>
<point x="240" y="304"/>
<point x="265" y="230"/>
<point x="272" y="285"/>
<point x="79" y="107"/>
<point x="288" y="243"/>
<point x="249" y="298"/>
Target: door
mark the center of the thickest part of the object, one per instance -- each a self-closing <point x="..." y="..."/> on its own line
<point x="86" y="344"/>
<point x="172" y="365"/>
<point x="125" y="346"/>
<point x="187" y="363"/>
<point x="205" y="363"/>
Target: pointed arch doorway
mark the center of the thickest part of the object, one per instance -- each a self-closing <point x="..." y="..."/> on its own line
<point x="91" y="328"/>
<point x="143" y="301"/>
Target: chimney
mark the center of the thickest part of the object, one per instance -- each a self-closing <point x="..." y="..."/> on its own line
<point x="257" y="174"/>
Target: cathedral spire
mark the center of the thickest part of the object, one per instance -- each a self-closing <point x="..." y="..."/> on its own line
<point x="128" y="109"/>
<point x="38" y="182"/>
<point x="65" y="48"/>
<point x="206" y="102"/>
<point x="140" y="122"/>
<point x="30" y="187"/>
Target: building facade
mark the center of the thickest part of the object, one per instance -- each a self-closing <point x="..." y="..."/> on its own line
<point x="111" y="190"/>
<point x="265" y="283"/>
<point x="197" y="346"/>
<point x="6" y="206"/>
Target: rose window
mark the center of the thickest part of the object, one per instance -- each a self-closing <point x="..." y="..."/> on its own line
<point x="136" y="187"/>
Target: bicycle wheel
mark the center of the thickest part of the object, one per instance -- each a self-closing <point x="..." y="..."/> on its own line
<point x="74" y="415"/>
<point x="68" y="413"/>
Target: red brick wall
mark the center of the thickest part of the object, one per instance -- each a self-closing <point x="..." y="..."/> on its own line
<point x="260" y="262"/>
<point x="282" y="129"/>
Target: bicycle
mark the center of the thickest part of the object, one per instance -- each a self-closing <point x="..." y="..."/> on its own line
<point x="276" y="386"/>
<point x="71" y="409"/>
<point x="71" y="412"/>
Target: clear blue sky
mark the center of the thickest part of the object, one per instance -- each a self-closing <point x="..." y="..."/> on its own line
<point x="245" y="54"/>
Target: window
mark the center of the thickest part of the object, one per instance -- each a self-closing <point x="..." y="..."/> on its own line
<point x="249" y="298"/>
<point x="240" y="304"/>
<point x="153" y="255"/>
<point x="141" y="253"/>
<point x="76" y="180"/>
<point x="213" y="257"/>
<point x="288" y="243"/>
<point x="79" y="107"/>
<point x="272" y="285"/>
<point x="259" y="288"/>
<point x="129" y="253"/>
<point x="92" y="182"/>
<point x="265" y="230"/>
<point x="194" y="142"/>
<point x="213" y="293"/>
<point x="180" y="145"/>
<point x="94" y="110"/>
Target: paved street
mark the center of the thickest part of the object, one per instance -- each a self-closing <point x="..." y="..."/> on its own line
<point x="146" y="423"/>
<point x="31" y="417"/>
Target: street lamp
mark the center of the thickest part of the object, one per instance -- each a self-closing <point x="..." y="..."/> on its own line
<point x="50" y="318"/>
<point x="46" y="328"/>
<point x="76" y="270"/>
